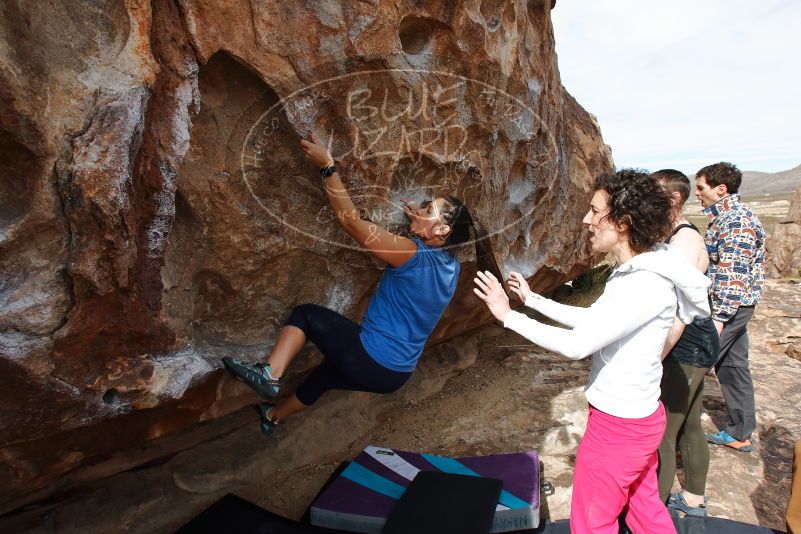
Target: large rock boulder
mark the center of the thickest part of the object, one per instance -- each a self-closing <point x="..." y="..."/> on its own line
<point x="784" y="245"/>
<point x="156" y="213"/>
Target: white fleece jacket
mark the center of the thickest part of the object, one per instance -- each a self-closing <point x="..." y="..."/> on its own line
<point x="625" y="329"/>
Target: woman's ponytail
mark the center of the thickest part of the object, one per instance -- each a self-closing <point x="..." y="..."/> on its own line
<point x="461" y="222"/>
<point x="485" y="259"/>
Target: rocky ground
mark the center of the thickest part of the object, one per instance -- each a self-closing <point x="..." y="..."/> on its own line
<point x="515" y="397"/>
<point x="518" y="398"/>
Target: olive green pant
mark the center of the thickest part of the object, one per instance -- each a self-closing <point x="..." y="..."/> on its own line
<point x="682" y="395"/>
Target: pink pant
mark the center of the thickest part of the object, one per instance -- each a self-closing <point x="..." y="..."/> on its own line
<point x="615" y="467"/>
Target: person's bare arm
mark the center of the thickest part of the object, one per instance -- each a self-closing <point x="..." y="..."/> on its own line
<point x="386" y="246"/>
<point x="674" y="334"/>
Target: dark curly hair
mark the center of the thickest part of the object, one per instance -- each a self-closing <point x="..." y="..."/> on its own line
<point x="638" y="201"/>
<point x="722" y="173"/>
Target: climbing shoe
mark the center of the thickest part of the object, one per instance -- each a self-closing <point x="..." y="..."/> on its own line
<point x="266" y="422"/>
<point x="255" y="375"/>
<point x="677" y="502"/>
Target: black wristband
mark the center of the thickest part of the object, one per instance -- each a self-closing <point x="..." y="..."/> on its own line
<point x="325" y="172"/>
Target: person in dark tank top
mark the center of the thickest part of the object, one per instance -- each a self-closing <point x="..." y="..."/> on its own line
<point x="381" y="353"/>
<point x="688" y="355"/>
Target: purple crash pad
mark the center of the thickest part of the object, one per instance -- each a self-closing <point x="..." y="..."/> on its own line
<point x="362" y="496"/>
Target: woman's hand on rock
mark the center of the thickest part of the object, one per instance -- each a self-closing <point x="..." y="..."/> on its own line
<point x="490" y="290"/>
<point x="316" y="152"/>
<point x="518" y="284"/>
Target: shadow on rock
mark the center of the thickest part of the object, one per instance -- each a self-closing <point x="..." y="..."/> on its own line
<point x="775" y="447"/>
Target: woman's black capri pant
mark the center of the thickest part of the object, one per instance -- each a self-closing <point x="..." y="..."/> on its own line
<point x="347" y="365"/>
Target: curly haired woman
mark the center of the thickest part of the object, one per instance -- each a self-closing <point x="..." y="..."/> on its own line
<point x="624" y="331"/>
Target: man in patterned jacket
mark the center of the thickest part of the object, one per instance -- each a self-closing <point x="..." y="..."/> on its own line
<point x="735" y="242"/>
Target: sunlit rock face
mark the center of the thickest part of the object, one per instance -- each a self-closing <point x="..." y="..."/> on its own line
<point x="784" y="245"/>
<point x="157" y="214"/>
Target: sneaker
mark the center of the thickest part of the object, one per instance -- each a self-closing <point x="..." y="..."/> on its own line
<point x="677" y="502"/>
<point x="723" y="438"/>
<point x="255" y="375"/>
<point x="266" y="422"/>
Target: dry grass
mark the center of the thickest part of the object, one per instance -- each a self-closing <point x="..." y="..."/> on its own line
<point x="770" y="209"/>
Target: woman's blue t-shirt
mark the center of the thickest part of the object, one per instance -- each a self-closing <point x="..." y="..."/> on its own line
<point x="407" y="305"/>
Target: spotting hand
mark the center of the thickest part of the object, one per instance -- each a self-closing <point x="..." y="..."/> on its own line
<point x="519" y="286"/>
<point x="490" y="290"/>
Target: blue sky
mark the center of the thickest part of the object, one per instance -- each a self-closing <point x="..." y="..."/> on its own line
<point x="686" y="83"/>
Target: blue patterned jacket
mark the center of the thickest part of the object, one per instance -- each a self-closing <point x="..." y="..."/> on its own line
<point x="735" y="242"/>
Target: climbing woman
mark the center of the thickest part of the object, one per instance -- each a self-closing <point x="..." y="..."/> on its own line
<point x="379" y="354"/>
<point x="625" y="331"/>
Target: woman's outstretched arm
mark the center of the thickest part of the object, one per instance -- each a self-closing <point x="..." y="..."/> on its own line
<point x="386" y="246"/>
<point x="605" y="325"/>
<point x="562" y="313"/>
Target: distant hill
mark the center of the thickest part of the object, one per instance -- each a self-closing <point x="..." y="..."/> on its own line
<point x="770" y="183"/>
<point x="765" y="183"/>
